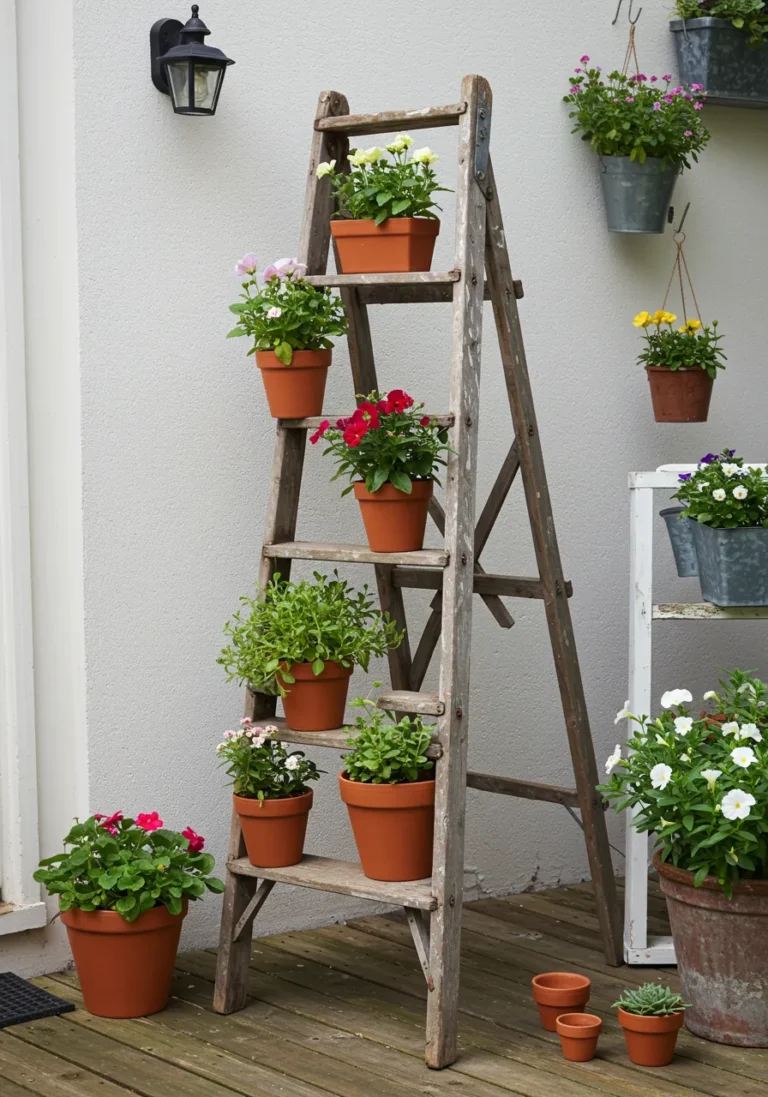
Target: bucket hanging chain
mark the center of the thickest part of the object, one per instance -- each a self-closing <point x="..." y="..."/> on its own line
<point x="680" y="267"/>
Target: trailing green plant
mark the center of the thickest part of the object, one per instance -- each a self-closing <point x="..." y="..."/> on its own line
<point x="325" y="620"/>
<point x="691" y="346"/>
<point x="282" y="312"/>
<point x="129" y="866"/>
<point x="724" y="492"/>
<point x="651" y="1000"/>
<point x="378" y="186"/>
<point x="747" y="15"/>
<point x="386" y="751"/>
<point x="260" y="767"/>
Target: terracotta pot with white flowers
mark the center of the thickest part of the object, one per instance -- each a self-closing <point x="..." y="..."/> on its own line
<point x="701" y="786"/>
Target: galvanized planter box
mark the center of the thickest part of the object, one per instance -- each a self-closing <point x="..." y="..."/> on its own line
<point x="636" y="195"/>
<point x="680" y="532"/>
<point x="714" y="53"/>
<point x="733" y="565"/>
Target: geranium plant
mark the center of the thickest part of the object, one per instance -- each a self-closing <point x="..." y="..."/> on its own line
<point x="315" y="622"/>
<point x="282" y="312"/>
<point x="130" y="866"/>
<point x="637" y="116"/>
<point x="747" y="15"/>
<point x="690" y="346"/>
<point x="260" y="767"/>
<point x="387" y="440"/>
<point x="724" y="492"/>
<point x="650" y="1000"/>
<point x="386" y="750"/>
<point x="384" y="183"/>
<point x="700" y="783"/>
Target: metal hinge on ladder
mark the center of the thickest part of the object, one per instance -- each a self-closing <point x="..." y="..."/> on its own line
<point x="418" y="922"/>
<point x="483" y="142"/>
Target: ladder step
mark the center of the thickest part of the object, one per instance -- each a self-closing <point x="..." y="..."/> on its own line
<point x="390" y="120"/>
<point x="508" y="586"/>
<point x="401" y="279"/>
<point x="316" y="420"/>
<point x="403" y="700"/>
<point x="386" y="293"/>
<point x="343" y="878"/>
<point x="527" y="790"/>
<point x="338" y="738"/>
<point x="706" y="611"/>
<point x="353" y="554"/>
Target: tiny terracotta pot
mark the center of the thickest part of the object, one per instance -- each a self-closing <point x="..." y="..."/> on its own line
<point x="578" y="1034"/>
<point x="394" y="521"/>
<point x="316" y="702"/>
<point x="397" y="244"/>
<point x="650" y="1040"/>
<point x="295" y="391"/>
<point x="125" y="968"/>
<point x="393" y="827"/>
<point x="680" y="395"/>
<point x="559" y="992"/>
<point x="274" y="830"/>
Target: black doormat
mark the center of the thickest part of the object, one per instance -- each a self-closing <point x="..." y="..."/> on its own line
<point x="21" y="1001"/>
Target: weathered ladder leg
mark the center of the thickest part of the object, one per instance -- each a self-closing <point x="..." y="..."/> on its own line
<point x="499" y="275"/>
<point x="282" y="509"/>
<point x="461" y="475"/>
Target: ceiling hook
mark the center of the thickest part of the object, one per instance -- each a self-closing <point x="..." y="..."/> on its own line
<point x="629" y="14"/>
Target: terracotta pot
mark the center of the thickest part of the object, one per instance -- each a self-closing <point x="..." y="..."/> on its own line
<point x="679" y="395"/>
<point x="394" y="521"/>
<point x="125" y="968"/>
<point x="650" y="1040"/>
<point x="295" y="391"/>
<point x="397" y="244"/>
<point x="721" y="955"/>
<point x="316" y="702"/>
<point x="274" y="830"/>
<point x="393" y="827"/>
<point x="578" y="1034"/>
<point x="559" y="992"/>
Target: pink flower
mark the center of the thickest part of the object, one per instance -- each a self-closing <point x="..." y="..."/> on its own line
<point x="668" y="77"/>
<point x="688" y="133"/>
<point x="196" y="841"/>
<point x="678" y="90"/>
<point x="615" y="100"/>
<point x="270" y="272"/>
<point x="654" y="79"/>
<point x="698" y="106"/>
<point x="110" y="821"/>
<point x="584" y="59"/>
<point x="629" y="99"/>
<point x="149" y="821"/>
<point x="641" y="76"/>
<point x="667" y="98"/>
<point x="657" y="106"/>
<point x="319" y="432"/>
<point x="577" y="70"/>
<point x="697" y="87"/>
<point x="575" y="89"/>
<point x="287" y="268"/>
<point x="247" y="265"/>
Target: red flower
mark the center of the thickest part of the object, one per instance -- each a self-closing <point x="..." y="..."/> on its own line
<point x="398" y="401"/>
<point x="368" y="412"/>
<point x="196" y="841"/>
<point x="425" y="421"/>
<point x="149" y="821"/>
<point x="109" y="822"/>
<point x="342" y="424"/>
<point x="320" y="432"/>
<point x="354" y="433"/>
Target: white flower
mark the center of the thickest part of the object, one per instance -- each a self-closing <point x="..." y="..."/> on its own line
<point x="259" y="740"/>
<point x="274" y="312"/>
<point x="685" y="757"/>
<point x="736" y="804"/>
<point x="613" y="759"/>
<point x="710" y="695"/>
<point x="703" y="485"/>
<point x="222" y="746"/>
<point x="230" y="735"/>
<point x="661" y="775"/>
<point x="718" y="494"/>
<point x="661" y="740"/>
<point x="325" y="168"/>
<point x="729" y="469"/>
<point x="400" y="143"/>
<point x="675" y="697"/>
<point x="271" y="729"/>
<point x="743" y="756"/>
<point x="683" y="724"/>
<point x="293" y="762"/>
<point x="731" y="728"/>
<point x="747" y="687"/>
<point x="740" y="492"/>
<point x="424" y="156"/>
<point x="357" y="158"/>
<point x="711" y="776"/>
<point x="750" y="731"/>
<point x="623" y="713"/>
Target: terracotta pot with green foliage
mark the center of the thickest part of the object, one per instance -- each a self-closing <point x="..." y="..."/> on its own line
<point x="301" y="640"/>
<point x="389" y="794"/>
<point x="651" y="1016"/>
<point x="681" y="365"/>
<point x="124" y="886"/>
<point x="270" y="792"/>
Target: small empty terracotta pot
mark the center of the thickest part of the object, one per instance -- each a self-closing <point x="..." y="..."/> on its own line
<point x="578" y="1034"/>
<point x="558" y="992"/>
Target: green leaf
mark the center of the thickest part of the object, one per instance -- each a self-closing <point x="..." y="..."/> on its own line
<point x="383" y="197"/>
<point x="284" y="352"/>
<point x="235" y="332"/>
<point x="401" y="481"/>
<point x="380" y="476"/>
<point x="318" y="666"/>
<point x="400" y="205"/>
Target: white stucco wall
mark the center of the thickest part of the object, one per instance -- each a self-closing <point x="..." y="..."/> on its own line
<point x="175" y="436"/>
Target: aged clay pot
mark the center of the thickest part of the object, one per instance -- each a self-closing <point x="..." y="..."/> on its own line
<point x="578" y="1034"/>
<point x="398" y="244"/>
<point x="393" y="827"/>
<point x="679" y="395"/>
<point x="394" y="521"/>
<point x="295" y="391"/>
<point x="274" y="830"/>
<point x="650" y="1040"/>
<point x="559" y="992"/>
<point x="316" y="702"/>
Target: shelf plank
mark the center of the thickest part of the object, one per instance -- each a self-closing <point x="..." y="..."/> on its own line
<point x="353" y="554"/>
<point x="316" y="420"/>
<point x="336" y="739"/>
<point x="429" y="293"/>
<point x="342" y="878"/>
<point x="706" y="611"/>
<point x="390" y="120"/>
<point x="395" y="278"/>
<point x="402" y="700"/>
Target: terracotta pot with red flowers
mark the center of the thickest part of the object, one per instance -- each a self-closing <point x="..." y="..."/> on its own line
<point x="124" y="886"/>
<point x="390" y="451"/>
<point x="291" y="323"/>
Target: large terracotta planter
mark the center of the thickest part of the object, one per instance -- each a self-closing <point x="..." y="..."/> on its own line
<point x="679" y="395"/>
<point x="398" y="244"/>
<point x="722" y="957"/>
<point x="125" y="968"/>
<point x="394" y="521"/>
<point x="650" y="1040"/>
<point x="393" y="827"/>
<point x="295" y="391"/>
<point x="578" y="1034"/>
<point x="274" y="830"/>
<point x="559" y="992"/>
<point x="316" y="702"/>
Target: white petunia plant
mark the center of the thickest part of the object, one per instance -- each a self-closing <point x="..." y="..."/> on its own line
<point x="724" y="492"/>
<point x="700" y="782"/>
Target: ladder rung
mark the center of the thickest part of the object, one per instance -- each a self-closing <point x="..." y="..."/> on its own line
<point x="316" y="420"/>
<point x="390" y="120"/>
<point x="508" y="586"/>
<point x="426" y="293"/>
<point x="354" y="554"/>
<point x="399" y="279"/>
<point x="338" y="738"/>
<point x="402" y="700"/>
<point x="343" y="878"/>
<point x="528" y="790"/>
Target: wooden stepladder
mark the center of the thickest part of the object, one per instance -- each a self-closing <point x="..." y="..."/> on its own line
<point x="481" y="271"/>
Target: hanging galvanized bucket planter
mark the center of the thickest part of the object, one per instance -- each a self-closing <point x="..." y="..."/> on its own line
<point x="680" y="532"/>
<point x="636" y="195"/>
<point x="715" y="54"/>
<point x="733" y="565"/>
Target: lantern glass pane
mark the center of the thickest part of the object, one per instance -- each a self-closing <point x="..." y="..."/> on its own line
<point x="178" y="80"/>
<point x="207" y="81"/>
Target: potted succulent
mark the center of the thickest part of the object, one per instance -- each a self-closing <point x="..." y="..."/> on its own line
<point x="270" y="793"/>
<point x="385" y="208"/>
<point x="722" y="44"/>
<point x="301" y="641"/>
<point x="681" y="365"/>
<point x="651" y="1016"/>
<point x="292" y="324"/>
<point x="700" y="784"/>
<point x="728" y="504"/>
<point x="389" y="793"/>
<point x="389" y="450"/>
<point x="644" y="132"/>
<point x="124" y="886"/>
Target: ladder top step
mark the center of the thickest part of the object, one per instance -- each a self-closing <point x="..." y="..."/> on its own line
<point x="343" y="878"/>
<point x="353" y="554"/>
<point x="316" y="420"/>
<point x="336" y="739"/>
<point x="395" y="278"/>
<point x="390" y="120"/>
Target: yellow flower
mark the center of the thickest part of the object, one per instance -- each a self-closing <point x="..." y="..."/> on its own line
<point x="400" y="143"/>
<point x="658" y="317"/>
<point x="357" y="158"/>
<point x="373" y="154"/>
<point x="692" y="325"/>
<point x="424" y="156"/>
<point x="668" y="318"/>
<point x="642" y="320"/>
<point x="325" y="168"/>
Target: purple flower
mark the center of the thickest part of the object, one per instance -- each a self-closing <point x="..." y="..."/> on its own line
<point x="697" y="87"/>
<point x="708" y="459"/>
<point x="684" y="476"/>
<point x="688" y="133"/>
<point x="698" y="106"/>
<point x="678" y="90"/>
<point x="577" y="70"/>
<point x="667" y="98"/>
<point x="641" y="76"/>
<point x="654" y="79"/>
<point x="584" y="59"/>
<point x="657" y="106"/>
<point x="598" y="68"/>
<point x="247" y="265"/>
<point x="687" y="95"/>
<point x="615" y="100"/>
<point x="575" y="89"/>
<point x="668" y="77"/>
<point x="730" y="452"/>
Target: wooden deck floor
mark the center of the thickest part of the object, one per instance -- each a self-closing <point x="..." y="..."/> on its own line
<point x="341" y="1010"/>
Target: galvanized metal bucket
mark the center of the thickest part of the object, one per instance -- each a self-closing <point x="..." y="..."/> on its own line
<point x="733" y="565"/>
<point x="680" y="532"/>
<point x="636" y="195"/>
<point x="714" y="53"/>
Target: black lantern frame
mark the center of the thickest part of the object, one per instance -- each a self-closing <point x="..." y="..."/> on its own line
<point x="184" y="67"/>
